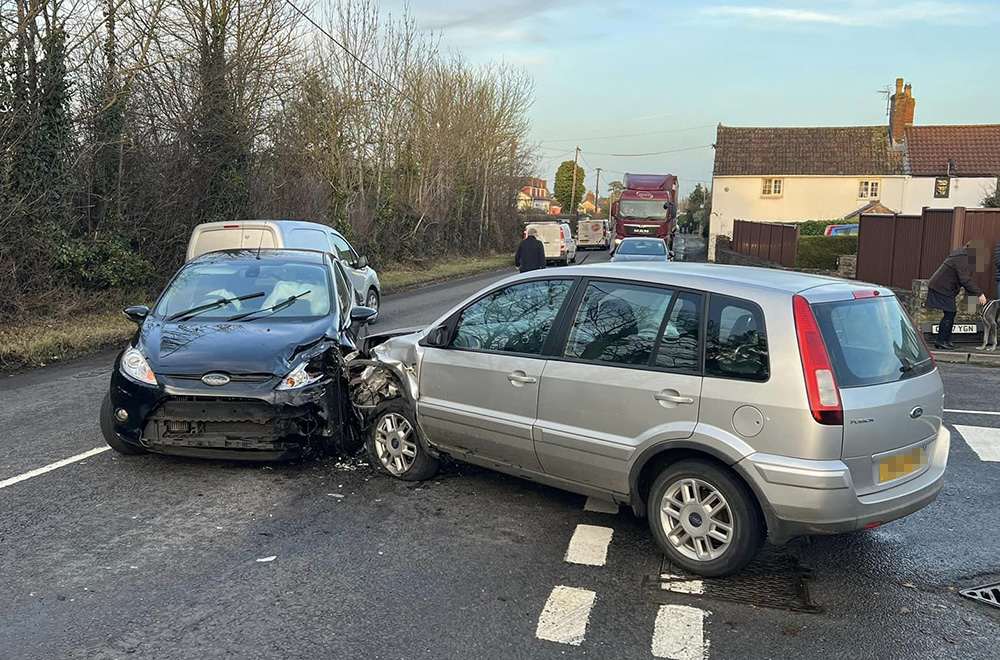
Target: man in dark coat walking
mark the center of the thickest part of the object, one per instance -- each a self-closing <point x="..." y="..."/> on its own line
<point x="954" y="274"/>
<point x="530" y="253"/>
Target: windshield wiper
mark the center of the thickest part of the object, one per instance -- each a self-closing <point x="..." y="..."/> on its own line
<point x="273" y="308"/>
<point x="221" y="302"/>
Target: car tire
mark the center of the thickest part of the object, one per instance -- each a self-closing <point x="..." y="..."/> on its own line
<point x="373" y="295"/>
<point x="111" y="436"/>
<point x="701" y="496"/>
<point x="573" y="260"/>
<point x="407" y="460"/>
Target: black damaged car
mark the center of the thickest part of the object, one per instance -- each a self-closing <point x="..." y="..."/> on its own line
<point x="241" y="357"/>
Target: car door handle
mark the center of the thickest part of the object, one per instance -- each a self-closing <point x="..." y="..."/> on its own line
<point x="672" y="398"/>
<point x="521" y="377"/>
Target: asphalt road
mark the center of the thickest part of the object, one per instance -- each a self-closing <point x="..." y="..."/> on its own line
<point x="155" y="557"/>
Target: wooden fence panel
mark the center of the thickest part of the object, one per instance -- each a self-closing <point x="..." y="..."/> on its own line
<point x="766" y="240"/>
<point x="908" y="237"/>
<point x="875" y="243"/>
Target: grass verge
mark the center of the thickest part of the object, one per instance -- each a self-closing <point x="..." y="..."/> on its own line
<point x="93" y="323"/>
<point x="402" y="277"/>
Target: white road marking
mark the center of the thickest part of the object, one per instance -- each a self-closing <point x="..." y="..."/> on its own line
<point x="679" y="633"/>
<point x="565" y="615"/>
<point x="52" y="466"/>
<point x="589" y="545"/>
<point x="677" y="584"/>
<point x="971" y="412"/>
<point x="984" y="441"/>
<point x="600" y="506"/>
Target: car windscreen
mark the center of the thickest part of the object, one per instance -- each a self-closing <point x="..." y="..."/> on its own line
<point x="263" y="284"/>
<point x="642" y="209"/>
<point x="650" y="247"/>
<point x="871" y="341"/>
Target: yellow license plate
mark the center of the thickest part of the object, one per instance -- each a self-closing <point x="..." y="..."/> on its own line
<point x="900" y="465"/>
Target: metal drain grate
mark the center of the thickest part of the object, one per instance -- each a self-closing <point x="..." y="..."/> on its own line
<point x="988" y="593"/>
<point x="774" y="579"/>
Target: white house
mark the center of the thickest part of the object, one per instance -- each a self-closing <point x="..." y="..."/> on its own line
<point x="829" y="173"/>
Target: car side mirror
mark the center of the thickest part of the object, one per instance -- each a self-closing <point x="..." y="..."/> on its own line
<point x="438" y="337"/>
<point x="362" y="316"/>
<point x="136" y="313"/>
<point x="362" y="262"/>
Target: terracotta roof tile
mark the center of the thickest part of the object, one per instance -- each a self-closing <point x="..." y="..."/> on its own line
<point x="975" y="149"/>
<point x="847" y="150"/>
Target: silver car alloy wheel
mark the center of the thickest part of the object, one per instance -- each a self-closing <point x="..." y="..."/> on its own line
<point x="697" y="519"/>
<point x="395" y="443"/>
<point x="372" y="300"/>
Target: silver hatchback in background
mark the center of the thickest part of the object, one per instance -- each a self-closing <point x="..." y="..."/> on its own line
<point x="726" y="404"/>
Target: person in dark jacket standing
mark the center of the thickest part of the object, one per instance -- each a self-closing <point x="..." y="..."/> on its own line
<point x="954" y="274"/>
<point x="530" y="253"/>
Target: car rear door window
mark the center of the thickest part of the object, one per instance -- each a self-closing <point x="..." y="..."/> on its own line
<point x="514" y="319"/>
<point x="679" y="348"/>
<point x="617" y="323"/>
<point x="736" y="342"/>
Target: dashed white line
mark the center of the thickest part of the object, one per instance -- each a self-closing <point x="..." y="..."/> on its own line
<point x="565" y="615"/>
<point x="589" y="545"/>
<point x="677" y="584"/>
<point x="600" y="506"/>
<point x="52" y="466"/>
<point x="984" y="441"/>
<point x="679" y="633"/>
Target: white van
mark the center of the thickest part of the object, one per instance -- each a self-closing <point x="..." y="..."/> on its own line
<point x="291" y="234"/>
<point x="557" y="237"/>
<point x="591" y="232"/>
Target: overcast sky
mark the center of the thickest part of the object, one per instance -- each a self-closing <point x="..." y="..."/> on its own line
<point x="673" y="70"/>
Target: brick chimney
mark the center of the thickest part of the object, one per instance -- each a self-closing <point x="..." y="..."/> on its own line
<point x="901" y="106"/>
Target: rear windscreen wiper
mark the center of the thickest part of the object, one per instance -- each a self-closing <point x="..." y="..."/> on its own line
<point x="273" y="308"/>
<point x="221" y="302"/>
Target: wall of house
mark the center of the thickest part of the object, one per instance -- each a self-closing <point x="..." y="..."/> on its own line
<point x="965" y="191"/>
<point x="803" y="198"/>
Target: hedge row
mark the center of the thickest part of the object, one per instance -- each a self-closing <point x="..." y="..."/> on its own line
<point x="818" y="227"/>
<point x="821" y="252"/>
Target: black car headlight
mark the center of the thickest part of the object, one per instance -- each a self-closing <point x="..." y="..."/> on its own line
<point x="135" y="367"/>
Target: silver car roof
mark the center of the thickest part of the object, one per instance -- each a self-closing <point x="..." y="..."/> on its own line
<point x="717" y="277"/>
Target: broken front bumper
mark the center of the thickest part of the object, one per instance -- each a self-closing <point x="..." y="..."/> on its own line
<point x="241" y="420"/>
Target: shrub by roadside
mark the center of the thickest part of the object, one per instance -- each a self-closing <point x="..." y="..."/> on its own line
<point x="821" y="252"/>
<point x="93" y="322"/>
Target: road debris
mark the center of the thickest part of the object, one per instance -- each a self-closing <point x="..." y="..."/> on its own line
<point x="266" y="560"/>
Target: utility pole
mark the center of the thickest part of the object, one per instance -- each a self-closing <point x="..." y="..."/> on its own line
<point x="597" y="191"/>
<point x="572" y="194"/>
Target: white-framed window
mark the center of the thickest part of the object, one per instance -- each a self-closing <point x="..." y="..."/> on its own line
<point x="869" y="189"/>
<point x="772" y="187"/>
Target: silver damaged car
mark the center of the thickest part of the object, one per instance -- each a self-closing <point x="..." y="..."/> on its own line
<point x="728" y="405"/>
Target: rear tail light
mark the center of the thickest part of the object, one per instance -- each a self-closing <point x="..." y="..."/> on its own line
<point x="821" y="384"/>
<point x="562" y="238"/>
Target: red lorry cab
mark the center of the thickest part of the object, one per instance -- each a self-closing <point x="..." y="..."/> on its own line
<point x="647" y="207"/>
